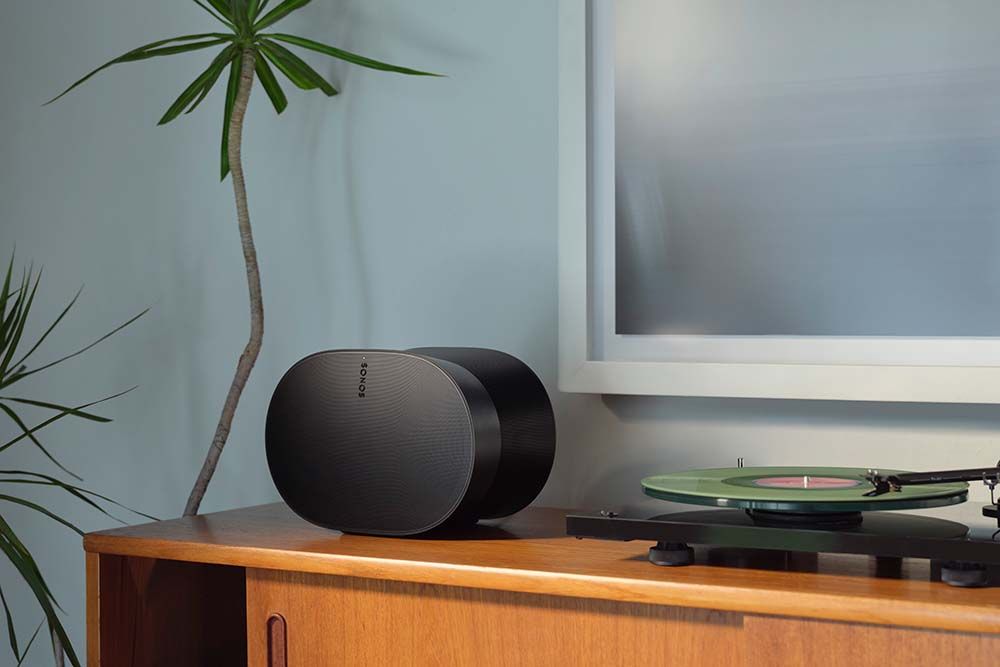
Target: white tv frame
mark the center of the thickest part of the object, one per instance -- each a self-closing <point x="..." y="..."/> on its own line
<point x="956" y="370"/>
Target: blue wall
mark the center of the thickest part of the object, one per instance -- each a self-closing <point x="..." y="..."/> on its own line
<point x="405" y="212"/>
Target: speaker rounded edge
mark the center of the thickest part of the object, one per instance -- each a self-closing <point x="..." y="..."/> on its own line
<point x="527" y="424"/>
<point x="485" y="445"/>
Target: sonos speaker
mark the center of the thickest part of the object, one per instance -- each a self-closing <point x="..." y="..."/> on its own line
<point x="401" y="442"/>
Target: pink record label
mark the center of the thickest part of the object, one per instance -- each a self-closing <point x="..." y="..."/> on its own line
<point x="806" y="482"/>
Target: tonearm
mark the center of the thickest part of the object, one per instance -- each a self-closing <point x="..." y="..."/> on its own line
<point x="896" y="482"/>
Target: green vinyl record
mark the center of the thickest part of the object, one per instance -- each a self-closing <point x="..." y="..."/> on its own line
<point x="796" y="489"/>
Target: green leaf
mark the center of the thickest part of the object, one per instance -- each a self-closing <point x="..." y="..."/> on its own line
<point x="22" y="561"/>
<point x="11" y="632"/>
<point x="346" y="55"/>
<point x="23" y="319"/>
<point x="152" y="51"/>
<point x="11" y="318"/>
<point x="72" y="490"/>
<point x="54" y="406"/>
<point x="215" y="15"/>
<point x="270" y="83"/>
<point x="222" y="6"/>
<point x="45" y="335"/>
<point x="232" y="89"/>
<point x="14" y="325"/>
<point x="6" y="532"/>
<point x="61" y="415"/>
<point x="296" y="69"/>
<point x="30" y="434"/>
<point x="281" y="11"/>
<point x="205" y="90"/>
<point x="183" y="48"/>
<point x="41" y="510"/>
<point x="261" y="8"/>
<point x="78" y="492"/>
<point x="205" y="80"/>
<point x="27" y="646"/>
<point x="240" y="16"/>
<point x="21" y="376"/>
<point x="290" y="73"/>
<point x="211" y="83"/>
<point x="5" y="290"/>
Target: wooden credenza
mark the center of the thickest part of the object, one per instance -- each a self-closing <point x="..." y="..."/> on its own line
<point x="260" y="586"/>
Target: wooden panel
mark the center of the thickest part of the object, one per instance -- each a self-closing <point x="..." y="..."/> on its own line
<point x="343" y="620"/>
<point x="165" y="613"/>
<point x="780" y="641"/>
<point x="544" y="560"/>
<point x="94" y="608"/>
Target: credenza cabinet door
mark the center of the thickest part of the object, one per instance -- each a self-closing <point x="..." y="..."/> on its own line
<point x="331" y="620"/>
<point x="309" y="620"/>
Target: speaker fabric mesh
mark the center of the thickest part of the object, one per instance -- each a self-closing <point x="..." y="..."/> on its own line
<point x="398" y="443"/>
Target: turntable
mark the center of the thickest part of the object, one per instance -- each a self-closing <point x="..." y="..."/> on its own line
<point x="812" y="509"/>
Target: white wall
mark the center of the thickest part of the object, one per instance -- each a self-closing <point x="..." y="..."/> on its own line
<point x="405" y="212"/>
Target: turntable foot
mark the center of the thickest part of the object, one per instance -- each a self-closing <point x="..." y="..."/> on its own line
<point x="889" y="567"/>
<point x="963" y="574"/>
<point x="671" y="554"/>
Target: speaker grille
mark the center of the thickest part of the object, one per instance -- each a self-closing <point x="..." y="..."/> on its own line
<point x="394" y="461"/>
<point x="527" y="426"/>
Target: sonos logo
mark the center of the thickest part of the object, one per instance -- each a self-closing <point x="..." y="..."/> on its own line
<point x="363" y="379"/>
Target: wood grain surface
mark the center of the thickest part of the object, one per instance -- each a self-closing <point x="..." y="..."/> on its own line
<point x="154" y="613"/>
<point x="787" y="641"/>
<point x="543" y="560"/>
<point x="334" y="620"/>
<point x="348" y="621"/>
<point x="94" y="608"/>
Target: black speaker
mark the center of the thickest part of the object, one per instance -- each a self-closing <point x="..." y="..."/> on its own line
<point x="398" y="443"/>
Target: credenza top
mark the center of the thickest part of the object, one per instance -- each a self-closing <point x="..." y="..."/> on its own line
<point x="531" y="553"/>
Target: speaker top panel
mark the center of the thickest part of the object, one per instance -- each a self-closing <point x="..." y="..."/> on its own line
<point x="371" y="441"/>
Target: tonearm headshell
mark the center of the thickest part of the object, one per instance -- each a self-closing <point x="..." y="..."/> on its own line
<point x="895" y="482"/>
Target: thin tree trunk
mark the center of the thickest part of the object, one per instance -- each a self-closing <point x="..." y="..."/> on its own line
<point x="252" y="349"/>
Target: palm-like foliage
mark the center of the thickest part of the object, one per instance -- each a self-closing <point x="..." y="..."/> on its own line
<point x="247" y="50"/>
<point x="16" y="299"/>
<point x="247" y="22"/>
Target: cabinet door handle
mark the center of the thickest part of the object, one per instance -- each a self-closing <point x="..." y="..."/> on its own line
<point x="277" y="641"/>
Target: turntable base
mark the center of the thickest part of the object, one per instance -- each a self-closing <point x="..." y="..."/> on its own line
<point x="957" y="558"/>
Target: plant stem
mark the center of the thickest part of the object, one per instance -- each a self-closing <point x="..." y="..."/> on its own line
<point x="58" y="653"/>
<point x="252" y="349"/>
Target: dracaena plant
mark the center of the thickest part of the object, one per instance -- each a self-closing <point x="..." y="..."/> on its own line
<point x="248" y="48"/>
<point x="16" y="365"/>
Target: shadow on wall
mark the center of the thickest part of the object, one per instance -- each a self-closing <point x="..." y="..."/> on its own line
<point x="316" y="140"/>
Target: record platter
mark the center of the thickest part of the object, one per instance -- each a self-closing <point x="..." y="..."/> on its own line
<point x="812" y="509"/>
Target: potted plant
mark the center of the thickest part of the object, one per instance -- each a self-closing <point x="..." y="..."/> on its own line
<point x="16" y="365"/>
<point x="247" y="47"/>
